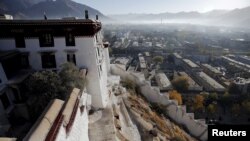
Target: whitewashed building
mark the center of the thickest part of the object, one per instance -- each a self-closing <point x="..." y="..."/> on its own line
<point x="47" y="44"/>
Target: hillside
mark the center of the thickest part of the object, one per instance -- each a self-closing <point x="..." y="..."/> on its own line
<point x="34" y="9"/>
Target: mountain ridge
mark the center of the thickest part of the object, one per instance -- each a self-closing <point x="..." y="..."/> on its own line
<point x="236" y="17"/>
<point x="35" y="9"/>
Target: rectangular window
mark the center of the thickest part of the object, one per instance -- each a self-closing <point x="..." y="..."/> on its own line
<point x="48" y="60"/>
<point x="99" y="72"/>
<point x="20" y="42"/>
<point x="46" y="40"/>
<point x="96" y="38"/>
<point x="71" y="57"/>
<point x="5" y="100"/>
<point x="70" y="40"/>
<point x="24" y="61"/>
<point x="98" y="52"/>
<point x="100" y="67"/>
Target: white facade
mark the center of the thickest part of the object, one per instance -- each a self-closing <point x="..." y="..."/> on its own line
<point x="89" y="53"/>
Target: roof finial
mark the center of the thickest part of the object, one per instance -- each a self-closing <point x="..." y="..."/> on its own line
<point x="45" y="17"/>
<point x="86" y="14"/>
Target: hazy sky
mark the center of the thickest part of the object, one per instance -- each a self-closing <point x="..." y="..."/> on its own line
<point x="159" y="6"/>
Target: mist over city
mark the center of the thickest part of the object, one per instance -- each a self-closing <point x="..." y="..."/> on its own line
<point x="115" y="70"/>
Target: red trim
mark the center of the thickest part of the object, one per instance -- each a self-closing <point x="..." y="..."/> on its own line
<point x="73" y="116"/>
<point x="55" y="128"/>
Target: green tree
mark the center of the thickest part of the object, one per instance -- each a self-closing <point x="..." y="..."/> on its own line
<point x="236" y="109"/>
<point x="181" y="83"/>
<point x="41" y="87"/>
<point x="225" y="99"/>
<point x="246" y="106"/>
<point x="213" y="96"/>
<point x="71" y="77"/>
<point x="211" y="108"/>
<point x="158" y="59"/>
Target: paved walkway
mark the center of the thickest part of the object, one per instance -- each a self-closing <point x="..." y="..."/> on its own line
<point x="103" y="129"/>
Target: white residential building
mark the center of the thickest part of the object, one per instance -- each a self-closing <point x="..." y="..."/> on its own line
<point x="163" y="82"/>
<point x="47" y="44"/>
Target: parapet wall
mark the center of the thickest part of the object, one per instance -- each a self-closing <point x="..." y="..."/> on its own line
<point x="177" y="113"/>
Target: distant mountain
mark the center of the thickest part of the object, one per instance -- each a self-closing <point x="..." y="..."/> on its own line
<point x="34" y="9"/>
<point x="236" y="17"/>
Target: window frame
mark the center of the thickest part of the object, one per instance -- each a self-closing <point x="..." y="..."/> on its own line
<point x="46" y="40"/>
<point x="20" y="42"/>
<point x="68" y="42"/>
<point x="69" y="55"/>
<point x="48" y="54"/>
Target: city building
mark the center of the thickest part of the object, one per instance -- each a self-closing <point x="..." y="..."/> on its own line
<point x="240" y="65"/>
<point x="47" y="44"/>
<point x="243" y="59"/>
<point x="177" y="59"/>
<point x="123" y="62"/>
<point x="190" y="66"/>
<point x="211" y="71"/>
<point x="163" y="82"/>
<point x="209" y="83"/>
<point x="243" y="85"/>
<point x="192" y="85"/>
<point x="142" y="63"/>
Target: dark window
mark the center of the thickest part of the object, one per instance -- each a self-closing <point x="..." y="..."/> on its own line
<point x="25" y="61"/>
<point x="100" y="67"/>
<point x="70" y="40"/>
<point x="5" y="100"/>
<point x="71" y="58"/>
<point x="20" y="42"/>
<point x="48" y="60"/>
<point x="46" y="40"/>
<point x="96" y="38"/>
<point x="98" y="51"/>
<point x="99" y="72"/>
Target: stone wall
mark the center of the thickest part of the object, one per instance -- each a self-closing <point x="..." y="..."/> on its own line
<point x="177" y="113"/>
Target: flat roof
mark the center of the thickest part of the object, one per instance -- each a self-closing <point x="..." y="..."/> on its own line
<point x="237" y="63"/>
<point x="190" y="63"/>
<point x="191" y="82"/>
<point x="162" y="81"/>
<point x="211" y="68"/>
<point x="210" y="81"/>
<point x="147" y="54"/>
<point x="177" y="55"/>
<point x="121" y="60"/>
<point x="56" y="27"/>
<point x="142" y="62"/>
